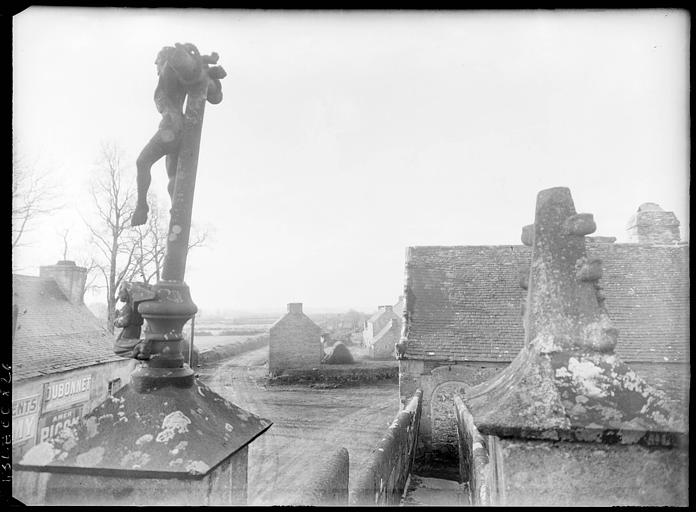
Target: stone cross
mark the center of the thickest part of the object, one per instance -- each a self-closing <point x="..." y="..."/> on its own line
<point x="184" y="74"/>
<point x="564" y="308"/>
<point x="566" y="383"/>
<point x="166" y="438"/>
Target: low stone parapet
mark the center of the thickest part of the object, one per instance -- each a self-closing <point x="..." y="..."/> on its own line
<point x="340" y="375"/>
<point x="329" y="482"/>
<point x="383" y="480"/>
<point x="221" y="352"/>
<point x="473" y="455"/>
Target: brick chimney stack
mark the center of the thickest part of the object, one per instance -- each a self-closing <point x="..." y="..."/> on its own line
<point x="295" y="307"/>
<point x="652" y="225"/>
<point x="70" y="278"/>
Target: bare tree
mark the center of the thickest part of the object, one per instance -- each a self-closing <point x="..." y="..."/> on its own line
<point x="93" y="273"/>
<point x="151" y="242"/>
<point x="113" y="196"/>
<point x="32" y="197"/>
<point x="66" y="235"/>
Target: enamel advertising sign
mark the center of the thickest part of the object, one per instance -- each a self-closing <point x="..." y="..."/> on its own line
<point x="60" y="394"/>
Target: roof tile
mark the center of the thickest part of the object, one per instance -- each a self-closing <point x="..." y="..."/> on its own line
<point x="52" y="334"/>
<point x="465" y="302"/>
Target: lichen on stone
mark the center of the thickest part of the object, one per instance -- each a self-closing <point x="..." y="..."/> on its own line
<point x="92" y="427"/>
<point x="135" y="458"/>
<point x="39" y="454"/>
<point x="91" y="457"/>
<point x="179" y="447"/>
<point x="145" y="438"/>
<point x="197" y="467"/>
<point x="586" y="375"/>
<point x="174" y="423"/>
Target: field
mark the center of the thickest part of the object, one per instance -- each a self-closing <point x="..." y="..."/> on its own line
<point x="308" y="423"/>
<point x="204" y="343"/>
<point x="210" y="334"/>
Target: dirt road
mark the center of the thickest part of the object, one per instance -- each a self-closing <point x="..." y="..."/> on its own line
<point x="309" y="423"/>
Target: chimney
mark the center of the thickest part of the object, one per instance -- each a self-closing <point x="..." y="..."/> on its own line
<point x="295" y="307"/>
<point x="70" y="278"/>
<point x="652" y="225"/>
<point x="385" y="308"/>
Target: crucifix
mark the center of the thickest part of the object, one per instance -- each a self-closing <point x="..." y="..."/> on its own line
<point x="184" y="76"/>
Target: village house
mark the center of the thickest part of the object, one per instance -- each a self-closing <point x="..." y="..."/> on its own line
<point x="295" y="342"/>
<point x="383" y="330"/>
<point x="63" y="364"/>
<point x="464" y="314"/>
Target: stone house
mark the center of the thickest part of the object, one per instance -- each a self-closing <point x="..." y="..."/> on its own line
<point x="383" y="329"/>
<point x="63" y="364"/>
<point x="463" y="320"/>
<point x="382" y="346"/>
<point x="295" y="342"/>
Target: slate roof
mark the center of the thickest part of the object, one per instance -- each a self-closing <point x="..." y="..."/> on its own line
<point x="53" y="335"/>
<point x="375" y="316"/>
<point x="464" y="302"/>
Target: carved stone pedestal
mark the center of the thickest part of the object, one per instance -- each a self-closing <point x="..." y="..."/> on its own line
<point x="568" y="423"/>
<point x="170" y="446"/>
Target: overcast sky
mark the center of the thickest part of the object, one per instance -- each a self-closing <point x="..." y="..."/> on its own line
<point x="345" y="137"/>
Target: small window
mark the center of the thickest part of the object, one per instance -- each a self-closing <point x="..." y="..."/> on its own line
<point x="114" y="385"/>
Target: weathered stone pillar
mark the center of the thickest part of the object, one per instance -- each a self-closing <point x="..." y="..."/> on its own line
<point x="568" y="423"/>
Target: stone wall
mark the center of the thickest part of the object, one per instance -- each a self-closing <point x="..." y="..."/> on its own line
<point x="440" y="381"/>
<point x="383" y="480"/>
<point x="295" y="342"/>
<point x="544" y="473"/>
<point x="344" y="375"/>
<point x="224" y="485"/>
<point x="329" y="482"/>
<point x="516" y="472"/>
<point x="220" y="352"/>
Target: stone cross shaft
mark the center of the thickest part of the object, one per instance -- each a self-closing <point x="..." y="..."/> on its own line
<point x="184" y="73"/>
<point x="564" y="307"/>
<point x="174" y="266"/>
